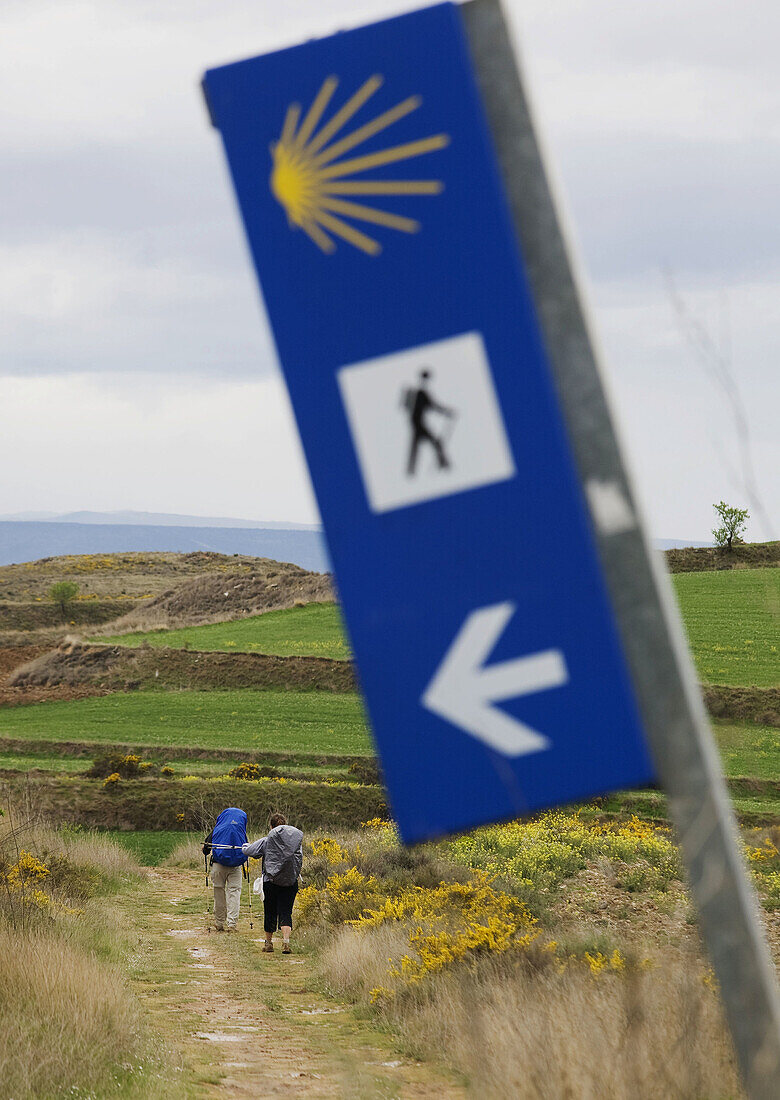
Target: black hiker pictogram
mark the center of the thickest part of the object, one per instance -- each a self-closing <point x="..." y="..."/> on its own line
<point x="418" y="404"/>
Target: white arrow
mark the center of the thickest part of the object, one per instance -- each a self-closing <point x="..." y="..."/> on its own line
<point x="463" y="690"/>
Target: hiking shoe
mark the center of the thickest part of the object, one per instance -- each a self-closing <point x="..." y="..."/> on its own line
<point x="268" y="947"/>
<point x="219" y="929"/>
<point x="232" y="929"/>
<point x="287" y="950"/>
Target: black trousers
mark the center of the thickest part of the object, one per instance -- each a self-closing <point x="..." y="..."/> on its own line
<point x="278" y="905"/>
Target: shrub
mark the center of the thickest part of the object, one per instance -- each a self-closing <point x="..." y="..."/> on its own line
<point x="344" y="897"/>
<point x="23" y="897"/>
<point x="42" y="878"/>
<point x="531" y="858"/>
<point x="366" y="771"/>
<point x="125" y="765"/>
<point x="253" y="771"/>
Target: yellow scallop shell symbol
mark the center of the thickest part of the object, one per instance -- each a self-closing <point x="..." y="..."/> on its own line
<point x="310" y="177"/>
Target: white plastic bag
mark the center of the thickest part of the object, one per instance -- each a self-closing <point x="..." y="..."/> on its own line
<point x="257" y="887"/>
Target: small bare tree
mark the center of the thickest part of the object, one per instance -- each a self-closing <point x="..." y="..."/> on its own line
<point x="732" y="524"/>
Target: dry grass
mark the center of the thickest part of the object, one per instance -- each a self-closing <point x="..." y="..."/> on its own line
<point x="270" y="586"/>
<point x="116" y="576"/>
<point x="97" y="851"/>
<point x="565" y="1006"/>
<point x="356" y="963"/>
<point x="68" y="1022"/>
<point x="81" y="849"/>
<point x="522" y="1029"/>
<point x="187" y="854"/>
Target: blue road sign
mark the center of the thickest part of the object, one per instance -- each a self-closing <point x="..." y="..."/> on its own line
<point x="475" y="603"/>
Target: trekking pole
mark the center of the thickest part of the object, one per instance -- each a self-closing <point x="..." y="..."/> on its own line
<point x="208" y="894"/>
<point x="249" y="889"/>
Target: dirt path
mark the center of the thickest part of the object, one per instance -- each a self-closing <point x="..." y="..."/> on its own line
<point x="249" y="1024"/>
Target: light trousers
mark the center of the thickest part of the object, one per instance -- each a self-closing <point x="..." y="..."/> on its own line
<point x="227" y="894"/>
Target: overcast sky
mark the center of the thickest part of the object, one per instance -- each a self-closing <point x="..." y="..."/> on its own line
<point x="136" y="367"/>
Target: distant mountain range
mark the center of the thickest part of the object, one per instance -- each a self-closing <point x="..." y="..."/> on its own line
<point x="27" y="536"/>
<point x="155" y="519"/>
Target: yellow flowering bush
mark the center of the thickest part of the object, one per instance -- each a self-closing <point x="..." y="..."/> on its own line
<point x="250" y="771"/>
<point x="764" y="852"/>
<point x="23" y="881"/>
<point x="764" y="862"/>
<point x="349" y="895"/>
<point x="537" y="855"/>
<point x="487" y="898"/>
<point x="344" y="898"/>
<point x="308" y="905"/>
<point x="599" y="963"/>
<point x="112" y="780"/>
<point x="449" y="923"/>
<point x="330" y="849"/>
<point x="28" y="870"/>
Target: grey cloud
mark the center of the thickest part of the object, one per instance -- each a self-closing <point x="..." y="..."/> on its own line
<point x="702" y="207"/>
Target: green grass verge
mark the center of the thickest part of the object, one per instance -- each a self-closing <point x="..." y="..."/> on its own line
<point x="751" y="808"/>
<point x="148" y="847"/>
<point x="284" y="721"/>
<point x="315" y="630"/>
<point x="732" y="618"/>
<point x="209" y="769"/>
<point x="68" y="765"/>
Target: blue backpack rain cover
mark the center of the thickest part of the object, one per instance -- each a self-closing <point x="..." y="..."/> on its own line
<point x="227" y="837"/>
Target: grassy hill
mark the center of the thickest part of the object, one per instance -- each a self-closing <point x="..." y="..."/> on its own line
<point x="149" y="591"/>
<point x="732" y="618"/>
<point x="315" y="630"/>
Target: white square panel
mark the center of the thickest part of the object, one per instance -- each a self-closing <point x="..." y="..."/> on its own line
<point x="426" y="422"/>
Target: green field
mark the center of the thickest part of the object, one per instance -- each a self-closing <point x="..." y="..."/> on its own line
<point x="749" y="750"/>
<point x="278" y="721"/>
<point x="314" y="630"/>
<point x="150" y="848"/>
<point x="732" y="618"/>
<point x="68" y="765"/>
<point x="209" y="769"/>
<point x="746" y="750"/>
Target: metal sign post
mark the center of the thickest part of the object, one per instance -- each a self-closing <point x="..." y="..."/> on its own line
<point x="673" y="713"/>
<point x="516" y="638"/>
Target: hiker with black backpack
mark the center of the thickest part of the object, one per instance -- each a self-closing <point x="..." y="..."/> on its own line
<point x="223" y="845"/>
<point x="282" y="855"/>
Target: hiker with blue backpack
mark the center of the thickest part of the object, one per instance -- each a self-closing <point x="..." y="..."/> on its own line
<point x="224" y="845"/>
<point x="282" y="855"/>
